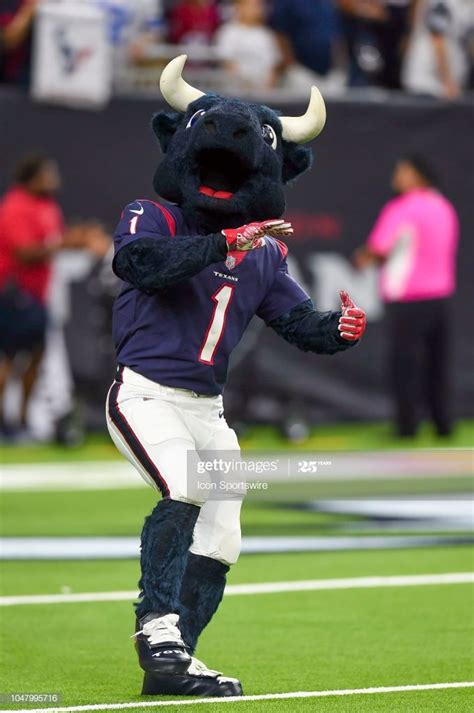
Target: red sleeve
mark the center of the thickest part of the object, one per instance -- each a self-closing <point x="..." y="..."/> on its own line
<point x="176" y="25"/>
<point x="19" y="229"/>
<point x="215" y="19"/>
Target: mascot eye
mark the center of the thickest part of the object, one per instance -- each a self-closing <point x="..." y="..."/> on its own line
<point x="197" y="115"/>
<point x="269" y="135"/>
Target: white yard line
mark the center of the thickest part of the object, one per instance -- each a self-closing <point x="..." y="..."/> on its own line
<point x="111" y="548"/>
<point x="410" y="580"/>
<point x="244" y="699"/>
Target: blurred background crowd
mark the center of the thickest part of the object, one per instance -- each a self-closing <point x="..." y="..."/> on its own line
<point x="423" y="47"/>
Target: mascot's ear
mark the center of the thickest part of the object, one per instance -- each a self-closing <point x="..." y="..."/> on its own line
<point x="296" y="160"/>
<point x="164" y="126"/>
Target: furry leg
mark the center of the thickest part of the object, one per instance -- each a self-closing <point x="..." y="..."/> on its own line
<point x="202" y="589"/>
<point x="166" y="537"/>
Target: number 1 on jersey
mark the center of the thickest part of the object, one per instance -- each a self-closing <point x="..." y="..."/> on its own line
<point x="216" y="326"/>
<point x="133" y="225"/>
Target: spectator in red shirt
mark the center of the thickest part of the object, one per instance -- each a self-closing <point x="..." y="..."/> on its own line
<point x="31" y="232"/>
<point x="31" y="227"/>
<point x="193" y="21"/>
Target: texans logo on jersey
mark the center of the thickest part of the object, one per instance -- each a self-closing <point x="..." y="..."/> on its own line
<point x="230" y="262"/>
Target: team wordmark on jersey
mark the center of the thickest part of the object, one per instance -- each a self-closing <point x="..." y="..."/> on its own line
<point x="226" y="277"/>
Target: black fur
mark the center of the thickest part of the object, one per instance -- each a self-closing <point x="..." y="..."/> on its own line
<point x="202" y="589"/>
<point x="311" y="331"/>
<point x="151" y="265"/>
<point x="166" y="537"/>
<point x="229" y="134"/>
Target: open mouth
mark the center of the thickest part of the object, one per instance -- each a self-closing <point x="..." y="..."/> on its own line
<point x="221" y="173"/>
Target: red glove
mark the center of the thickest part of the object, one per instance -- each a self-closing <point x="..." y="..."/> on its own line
<point x="251" y="236"/>
<point x="352" y="321"/>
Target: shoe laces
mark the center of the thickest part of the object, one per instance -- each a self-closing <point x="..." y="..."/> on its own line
<point x="161" y="630"/>
<point x="199" y="668"/>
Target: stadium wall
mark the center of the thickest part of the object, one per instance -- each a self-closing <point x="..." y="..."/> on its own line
<point x="108" y="159"/>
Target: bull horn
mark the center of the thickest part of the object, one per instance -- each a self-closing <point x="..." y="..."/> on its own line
<point x="178" y="93"/>
<point x="301" y="129"/>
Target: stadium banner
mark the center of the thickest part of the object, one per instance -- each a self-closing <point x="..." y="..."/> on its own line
<point x="72" y="57"/>
<point x="109" y="158"/>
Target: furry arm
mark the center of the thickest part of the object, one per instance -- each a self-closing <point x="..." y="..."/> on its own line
<point x="310" y="330"/>
<point x="151" y="264"/>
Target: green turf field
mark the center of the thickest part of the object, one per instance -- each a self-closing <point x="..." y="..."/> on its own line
<point x="344" y="437"/>
<point x="285" y="642"/>
<point x="298" y="641"/>
<point x="121" y="513"/>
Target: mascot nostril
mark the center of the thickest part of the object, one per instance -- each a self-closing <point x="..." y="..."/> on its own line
<point x="196" y="270"/>
<point x="210" y="126"/>
<point x="240" y="133"/>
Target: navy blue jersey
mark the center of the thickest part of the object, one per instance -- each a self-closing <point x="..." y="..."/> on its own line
<point x="183" y="335"/>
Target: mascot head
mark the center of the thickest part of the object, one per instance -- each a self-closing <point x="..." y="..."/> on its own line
<point x="226" y="161"/>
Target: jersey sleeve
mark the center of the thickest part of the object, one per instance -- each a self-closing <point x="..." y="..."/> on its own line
<point x="284" y="294"/>
<point x="143" y="219"/>
<point x="385" y="231"/>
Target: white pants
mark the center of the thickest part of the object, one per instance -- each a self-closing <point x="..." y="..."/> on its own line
<point x="160" y="429"/>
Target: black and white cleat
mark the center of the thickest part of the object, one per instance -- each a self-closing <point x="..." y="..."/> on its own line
<point x="197" y="681"/>
<point x="159" y="645"/>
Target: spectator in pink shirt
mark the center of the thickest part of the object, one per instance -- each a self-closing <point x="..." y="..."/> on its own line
<point x="414" y="240"/>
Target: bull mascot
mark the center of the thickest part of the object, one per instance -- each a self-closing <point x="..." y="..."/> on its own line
<point x="196" y="269"/>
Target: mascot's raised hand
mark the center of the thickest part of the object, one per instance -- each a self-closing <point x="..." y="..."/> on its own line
<point x="252" y="236"/>
<point x="352" y="321"/>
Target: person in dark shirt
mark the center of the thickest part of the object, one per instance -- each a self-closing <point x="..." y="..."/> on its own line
<point x="16" y="20"/>
<point x="375" y="34"/>
<point x="310" y="28"/>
